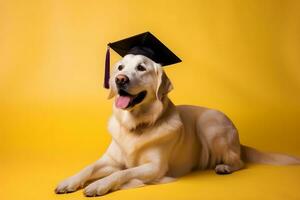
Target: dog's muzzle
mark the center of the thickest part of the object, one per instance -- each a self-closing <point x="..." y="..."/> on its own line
<point x="122" y="81"/>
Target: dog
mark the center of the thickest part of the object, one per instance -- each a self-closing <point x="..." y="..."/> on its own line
<point x="154" y="141"/>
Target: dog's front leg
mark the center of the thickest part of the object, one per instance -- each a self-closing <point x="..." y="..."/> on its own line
<point x="101" y="168"/>
<point x="144" y="173"/>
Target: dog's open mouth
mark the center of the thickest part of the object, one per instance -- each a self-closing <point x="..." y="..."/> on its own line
<point x="126" y="100"/>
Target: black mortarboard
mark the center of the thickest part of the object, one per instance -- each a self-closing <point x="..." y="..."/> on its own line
<point x="144" y="44"/>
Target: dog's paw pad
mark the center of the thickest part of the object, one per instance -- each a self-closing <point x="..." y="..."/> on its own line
<point x="223" y="169"/>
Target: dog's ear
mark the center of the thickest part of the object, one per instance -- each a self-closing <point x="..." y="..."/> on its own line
<point x="164" y="85"/>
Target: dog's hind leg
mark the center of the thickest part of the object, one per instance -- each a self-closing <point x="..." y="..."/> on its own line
<point x="231" y="162"/>
<point x="227" y="149"/>
<point x="221" y="142"/>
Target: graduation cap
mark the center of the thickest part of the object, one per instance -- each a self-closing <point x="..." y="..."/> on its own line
<point x="144" y="44"/>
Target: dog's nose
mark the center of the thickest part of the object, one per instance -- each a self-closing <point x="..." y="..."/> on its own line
<point x="122" y="80"/>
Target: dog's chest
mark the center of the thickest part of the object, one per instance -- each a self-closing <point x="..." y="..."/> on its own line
<point x="130" y="144"/>
<point x="132" y="147"/>
<point x="138" y="147"/>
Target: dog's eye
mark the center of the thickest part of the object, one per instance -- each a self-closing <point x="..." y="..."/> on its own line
<point x="141" y="68"/>
<point x="120" y="67"/>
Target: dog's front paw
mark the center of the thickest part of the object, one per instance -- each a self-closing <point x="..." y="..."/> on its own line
<point x="69" y="185"/>
<point x="97" y="188"/>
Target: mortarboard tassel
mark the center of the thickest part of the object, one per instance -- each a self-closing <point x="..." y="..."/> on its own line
<point x="107" y="69"/>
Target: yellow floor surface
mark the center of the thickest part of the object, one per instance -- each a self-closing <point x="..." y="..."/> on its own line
<point x="36" y="179"/>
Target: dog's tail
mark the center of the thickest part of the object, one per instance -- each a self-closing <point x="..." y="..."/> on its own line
<point x="252" y="155"/>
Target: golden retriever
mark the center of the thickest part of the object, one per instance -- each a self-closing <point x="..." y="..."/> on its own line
<point x="154" y="141"/>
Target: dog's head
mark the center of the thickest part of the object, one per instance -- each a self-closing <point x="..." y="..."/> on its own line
<point x="137" y="80"/>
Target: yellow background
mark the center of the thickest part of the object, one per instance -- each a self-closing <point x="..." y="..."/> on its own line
<point x="241" y="57"/>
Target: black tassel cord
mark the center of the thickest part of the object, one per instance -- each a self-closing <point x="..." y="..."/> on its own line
<point x="107" y="69"/>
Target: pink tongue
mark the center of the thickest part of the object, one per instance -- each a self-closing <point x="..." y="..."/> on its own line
<point x="123" y="102"/>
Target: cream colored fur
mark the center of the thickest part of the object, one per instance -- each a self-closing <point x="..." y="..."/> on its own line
<point x="156" y="141"/>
